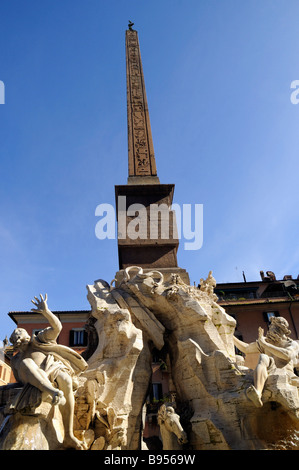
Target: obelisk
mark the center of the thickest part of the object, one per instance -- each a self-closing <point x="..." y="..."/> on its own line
<point x="148" y="246"/>
<point x="141" y="155"/>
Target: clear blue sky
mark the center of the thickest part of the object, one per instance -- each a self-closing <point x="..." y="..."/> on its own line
<point x="218" y="75"/>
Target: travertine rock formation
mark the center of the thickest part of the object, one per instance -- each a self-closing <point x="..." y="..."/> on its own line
<point x="205" y="372"/>
<point x="216" y="394"/>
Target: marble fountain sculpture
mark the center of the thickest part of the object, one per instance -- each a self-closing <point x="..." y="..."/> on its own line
<point x="98" y="403"/>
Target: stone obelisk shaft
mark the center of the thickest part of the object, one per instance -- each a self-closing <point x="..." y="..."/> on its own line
<point x="140" y="142"/>
<point x="150" y="249"/>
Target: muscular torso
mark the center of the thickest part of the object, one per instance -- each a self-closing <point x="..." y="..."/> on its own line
<point x="17" y="361"/>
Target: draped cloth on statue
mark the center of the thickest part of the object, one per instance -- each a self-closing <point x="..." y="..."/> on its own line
<point x="57" y="358"/>
<point x="67" y="356"/>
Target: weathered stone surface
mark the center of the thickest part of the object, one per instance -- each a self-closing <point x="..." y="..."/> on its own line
<point x="120" y="369"/>
<point x="205" y="371"/>
<point x="213" y="408"/>
<point x="42" y="431"/>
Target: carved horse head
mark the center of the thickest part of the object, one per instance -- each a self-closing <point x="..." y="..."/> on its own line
<point x="170" y="427"/>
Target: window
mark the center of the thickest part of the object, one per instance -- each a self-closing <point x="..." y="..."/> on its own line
<point x="156" y="392"/>
<point x="156" y="356"/>
<point x="237" y="351"/>
<point x="268" y="315"/>
<point x="35" y="332"/>
<point x="78" y="337"/>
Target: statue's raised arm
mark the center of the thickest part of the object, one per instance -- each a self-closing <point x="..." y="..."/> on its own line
<point x="246" y="348"/>
<point x="51" y="333"/>
<point x="277" y="352"/>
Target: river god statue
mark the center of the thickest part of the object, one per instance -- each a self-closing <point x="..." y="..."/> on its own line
<point x="41" y="364"/>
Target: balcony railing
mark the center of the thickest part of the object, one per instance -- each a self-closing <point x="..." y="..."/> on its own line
<point x="252" y="296"/>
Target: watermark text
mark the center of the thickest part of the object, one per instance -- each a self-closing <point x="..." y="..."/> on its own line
<point x="295" y="94"/>
<point x="2" y="92"/>
<point x="158" y="221"/>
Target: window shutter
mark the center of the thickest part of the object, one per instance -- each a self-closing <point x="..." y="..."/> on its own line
<point x="71" y="338"/>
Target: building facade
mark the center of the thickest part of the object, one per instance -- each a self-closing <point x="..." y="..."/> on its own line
<point x="6" y="375"/>
<point x="73" y="332"/>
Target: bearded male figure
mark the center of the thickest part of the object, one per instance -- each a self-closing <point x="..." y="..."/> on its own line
<point x="42" y="364"/>
<point x="278" y="351"/>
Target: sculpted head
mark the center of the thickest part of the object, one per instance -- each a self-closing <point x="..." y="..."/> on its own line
<point x="278" y="329"/>
<point x="19" y="337"/>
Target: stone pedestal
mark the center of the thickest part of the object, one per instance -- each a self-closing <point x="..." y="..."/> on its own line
<point x="42" y="430"/>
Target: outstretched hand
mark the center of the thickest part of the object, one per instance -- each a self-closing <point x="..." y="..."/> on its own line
<point x="261" y="337"/>
<point x="40" y="304"/>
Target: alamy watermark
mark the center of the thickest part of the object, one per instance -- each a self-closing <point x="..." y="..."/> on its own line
<point x="295" y="94"/>
<point x="158" y="221"/>
<point x="2" y="92"/>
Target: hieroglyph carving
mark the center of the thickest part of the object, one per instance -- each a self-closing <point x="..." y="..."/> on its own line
<point x="138" y="125"/>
